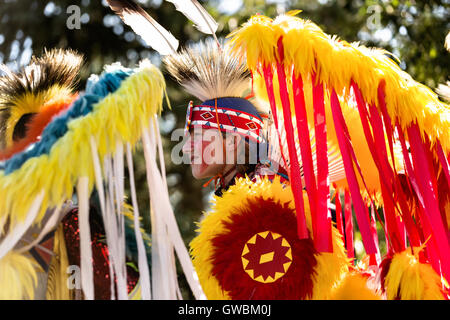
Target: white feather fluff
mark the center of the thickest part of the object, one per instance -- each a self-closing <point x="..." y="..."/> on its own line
<point x="207" y="72"/>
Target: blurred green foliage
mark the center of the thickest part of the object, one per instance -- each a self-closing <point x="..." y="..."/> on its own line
<point x="413" y="30"/>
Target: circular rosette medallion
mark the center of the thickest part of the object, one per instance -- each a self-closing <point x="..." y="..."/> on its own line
<point x="248" y="247"/>
<point x="266" y="257"/>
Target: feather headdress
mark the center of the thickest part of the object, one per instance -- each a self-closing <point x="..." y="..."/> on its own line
<point x="207" y="73"/>
<point x="221" y="81"/>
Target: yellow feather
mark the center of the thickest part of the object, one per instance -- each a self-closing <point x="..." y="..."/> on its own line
<point x="354" y="287"/>
<point x="57" y="288"/>
<point x="408" y="279"/>
<point x="18" y="277"/>
<point x="331" y="268"/>
<point x="256" y="39"/>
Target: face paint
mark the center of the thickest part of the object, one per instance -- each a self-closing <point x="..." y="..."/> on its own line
<point x="205" y="149"/>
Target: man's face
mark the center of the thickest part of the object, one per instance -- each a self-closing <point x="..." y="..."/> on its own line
<point x="207" y="151"/>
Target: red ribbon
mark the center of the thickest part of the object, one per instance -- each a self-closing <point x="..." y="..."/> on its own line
<point x="391" y="187"/>
<point x="345" y="146"/>
<point x="323" y="213"/>
<point x="307" y="162"/>
<point x="295" y="174"/>
<point x="426" y="179"/>
<point x="444" y="162"/>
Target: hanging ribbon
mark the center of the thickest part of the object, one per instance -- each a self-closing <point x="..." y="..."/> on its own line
<point x="427" y="186"/>
<point x="388" y="179"/>
<point x="444" y="162"/>
<point x="360" y="208"/>
<point x="306" y="153"/>
<point x="374" y="259"/>
<point x="295" y="176"/>
<point x="323" y="213"/>
<point x="294" y="172"/>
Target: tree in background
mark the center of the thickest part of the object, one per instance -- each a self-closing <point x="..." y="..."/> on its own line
<point x="412" y="30"/>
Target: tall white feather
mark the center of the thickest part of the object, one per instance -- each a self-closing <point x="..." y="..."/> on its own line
<point x="13" y="236"/>
<point x="120" y="265"/>
<point x="157" y="138"/>
<point x="161" y="271"/>
<point x="144" y="25"/>
<point x="197" y="14"/>
<point x="111" y="202"/>
<point x="113" y="231"/>
<point x="161" y="208"/>
<point x="110" y="222"/>
<point x="163" y="172"/>
<point x="87" y="275"/>
<point x="144" y="275"/>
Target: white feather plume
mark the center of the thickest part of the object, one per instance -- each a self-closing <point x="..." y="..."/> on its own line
<point x="142" y="24"/>
<point x="207" y="72"/>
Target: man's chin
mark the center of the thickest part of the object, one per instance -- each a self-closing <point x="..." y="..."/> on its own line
<point x="201" y="174"/>
<point x="196" y="174"/>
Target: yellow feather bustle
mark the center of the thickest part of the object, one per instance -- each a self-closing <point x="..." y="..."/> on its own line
<point x="329" y="271"/>
<point x="336" y="63"/>
<point x="308" y="50"/>
<point x="139" y="97"/>
<point x="408" y="279"/>
<point x="45" y="85"/>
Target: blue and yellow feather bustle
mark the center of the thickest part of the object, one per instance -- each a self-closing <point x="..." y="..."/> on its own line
<point x="74" y="150"/>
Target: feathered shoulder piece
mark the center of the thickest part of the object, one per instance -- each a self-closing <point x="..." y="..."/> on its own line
<point x="45" y="85"/>
<point x="207" y="72"/>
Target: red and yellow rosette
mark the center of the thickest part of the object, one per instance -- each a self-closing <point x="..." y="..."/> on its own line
<point x="248" y="248"/>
